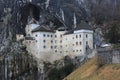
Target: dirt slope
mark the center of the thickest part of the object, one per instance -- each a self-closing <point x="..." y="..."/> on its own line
<point x="91" y="71"/>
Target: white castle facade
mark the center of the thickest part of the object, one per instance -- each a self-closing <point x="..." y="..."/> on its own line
<point x="41" y="40"/>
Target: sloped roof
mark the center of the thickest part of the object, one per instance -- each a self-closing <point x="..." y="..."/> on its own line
<point x="83" y="25"/>
<point x="42" y="29"/>
<point x="69" y="32"/>
<point x="29" y="38"/>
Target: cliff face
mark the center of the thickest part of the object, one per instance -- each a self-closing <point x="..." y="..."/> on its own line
<point x="63" y="10"/>
<point x="20" y="10"/>
<point x="14" y="59"/>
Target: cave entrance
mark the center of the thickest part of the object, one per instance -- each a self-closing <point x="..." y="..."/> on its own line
<point x="34" y="11"/>
<point x="27" y="11"/>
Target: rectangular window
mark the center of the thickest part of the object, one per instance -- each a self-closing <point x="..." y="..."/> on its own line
<point x="76" y="36"/>
<point x="55" y="36"/>
<point x="51" y="41"/>
<point x="51" y="36"/>
<point x="80" y="43"/>
<point x="76" y="50"/>
<point x="86" y="35"/>
<point x="86" y="42"/>
<point x="55" y="47"/>
<point x="36" y="35"/>
<point x="44" y="46"/>
<point x="44" y="41"/>
<point x="36" y="41"/>
<point x="76" y="43"/>
<point x="60" y="35"/>
<point x="28" y="34"/>
<point x="29" y="41"/>
<point x="55" y="41"/>
<point x="80" y="36"/>
<point x="73" y="44"/>
<point x="55" y="50"/>
<point x="51" y="47"/>
<point x="44" y="35"/>
<point x="48" y="35"/>
<point x="60" y="41"/>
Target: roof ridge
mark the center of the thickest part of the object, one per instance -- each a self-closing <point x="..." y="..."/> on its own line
<point x="42" y="28"/>
<point x="83" y="25"/>
<point x="45" y="27"/>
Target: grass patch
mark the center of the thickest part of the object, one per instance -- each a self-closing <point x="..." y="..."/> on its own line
<point x="92" y="71"/>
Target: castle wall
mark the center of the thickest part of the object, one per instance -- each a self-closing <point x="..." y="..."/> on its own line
<point x="59" y="42"/>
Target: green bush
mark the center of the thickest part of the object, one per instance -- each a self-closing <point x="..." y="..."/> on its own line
<point x="59" y="74"/>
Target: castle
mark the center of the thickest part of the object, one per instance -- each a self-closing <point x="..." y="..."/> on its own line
<point x="42" y="40"/>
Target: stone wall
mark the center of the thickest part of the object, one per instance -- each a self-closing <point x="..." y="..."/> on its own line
<point x="108" y="56"/>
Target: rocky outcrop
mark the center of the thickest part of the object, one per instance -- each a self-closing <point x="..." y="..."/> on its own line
<point x="15" y="61"/>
